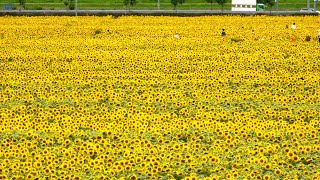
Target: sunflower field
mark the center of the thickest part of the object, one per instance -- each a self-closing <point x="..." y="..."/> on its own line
<point x="123" y="98"/>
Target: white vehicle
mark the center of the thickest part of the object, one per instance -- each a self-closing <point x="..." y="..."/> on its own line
<point x="247" y="5"/>
<point x="309" y="10"/>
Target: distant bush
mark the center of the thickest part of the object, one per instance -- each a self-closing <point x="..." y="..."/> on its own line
<point x="22" y="3"/>
<point x="129" y="3"/>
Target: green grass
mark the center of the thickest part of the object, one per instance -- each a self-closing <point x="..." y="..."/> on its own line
<point x="285" y="5"/>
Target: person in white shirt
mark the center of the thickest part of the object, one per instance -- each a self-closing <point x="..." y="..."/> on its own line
<point x="293" y="26"/>
<point x="176" y="36"/>
<point x="319" y="35"/>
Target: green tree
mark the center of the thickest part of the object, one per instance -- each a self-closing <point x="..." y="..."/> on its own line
<point x="129" y="3"/>
<point x="70" y="4"/>
<point x="22" y="3"/>
<point x="269" y="3"/>
<point x="66" y="3"/>
<point x="221" y="2"/>
<point x="176" y="2"/>
<point x="211" y="2"/>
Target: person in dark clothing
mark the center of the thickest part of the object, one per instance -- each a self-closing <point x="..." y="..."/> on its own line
<point x="308" y="38"/>
<point x="223" y="33"/>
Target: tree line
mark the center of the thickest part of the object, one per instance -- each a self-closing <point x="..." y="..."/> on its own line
<point x="129" y="3"/>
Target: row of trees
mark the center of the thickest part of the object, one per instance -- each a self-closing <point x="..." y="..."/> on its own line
<point x="70" y="4"/>
<point x="129" y="3"/>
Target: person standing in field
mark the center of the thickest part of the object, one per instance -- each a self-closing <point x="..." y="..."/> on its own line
<point x="223" y="33"/>
<point x="176" y="35"/>
<point x="319" y="35"/>
<point x="293" y="26"/>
